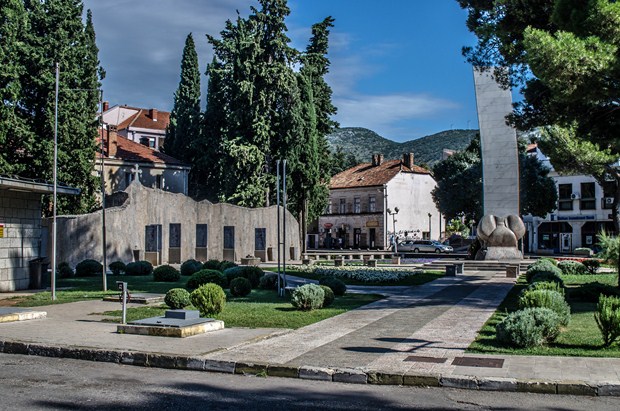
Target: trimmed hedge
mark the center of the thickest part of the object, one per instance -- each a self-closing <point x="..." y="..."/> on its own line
<point x="530" y="327"/>
<point x="269" y="281"/>
<point x="212" y="264"/>
<point x="240" y="287"/>
<point x="117" y="267"/>
<point x="226" y="264"/>
<point x="88" y="268"/>
<point x="177" y="298"/>
<point x="329" y="297"/>
<point x="545" y="285"/>
<point x="542" y="265"/>
<point x="592" y="265"/>
<point x="206" y="276"/>
<point x="166" y="273"/>
<point x="65" y="270"/>
<point x="190" y="267"/>
<point x="590" y="292"/>
<point x="139" y="268"/>
<point x="569" y="267"/>
<point x="209" y="299"/>
<point x="338" y="287"/>
<point x="252" y="273"/>
<point x="547" y="276"/>
<point x="308" y="297"/>
<point x="547" y="299"/>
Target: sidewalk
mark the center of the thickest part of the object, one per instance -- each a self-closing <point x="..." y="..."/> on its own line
<point x="415" y="336"/>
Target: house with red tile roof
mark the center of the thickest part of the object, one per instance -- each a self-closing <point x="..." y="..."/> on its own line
<point x="372" y="203"/>
<point x="143" y="126"/>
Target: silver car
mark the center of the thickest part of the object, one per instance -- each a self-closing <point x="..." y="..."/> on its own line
<point x="424" y="246"/>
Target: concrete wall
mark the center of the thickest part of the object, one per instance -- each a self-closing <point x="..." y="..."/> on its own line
<point x="80" y="237"/>
<point x="20" y="213"/>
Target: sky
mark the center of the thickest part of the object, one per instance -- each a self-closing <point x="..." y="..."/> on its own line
<point x="396" y="65"/>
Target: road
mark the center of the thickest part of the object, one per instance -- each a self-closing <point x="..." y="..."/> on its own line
<point x="40" y="383"/>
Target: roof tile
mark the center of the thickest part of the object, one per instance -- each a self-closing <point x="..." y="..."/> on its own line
<point x="367" y="175"/>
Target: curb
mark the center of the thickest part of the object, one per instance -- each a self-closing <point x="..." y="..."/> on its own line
<point x="344" y="375"/>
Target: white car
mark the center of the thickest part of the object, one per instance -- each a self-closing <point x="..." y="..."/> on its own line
<point x="424" y="246"/>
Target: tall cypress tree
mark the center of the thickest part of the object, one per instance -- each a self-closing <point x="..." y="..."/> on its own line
<point x="184" y="125"/>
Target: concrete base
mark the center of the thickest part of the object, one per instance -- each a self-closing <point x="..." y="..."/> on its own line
<point x="137" y="298"/>
<point x="179" y="332"/>
<point x="11" y="314"/>
<point x="503" y="253"/>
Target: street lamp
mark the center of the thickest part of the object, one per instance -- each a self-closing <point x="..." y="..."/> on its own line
<point x="429" y="226"/>
<point x="393" y="214"/>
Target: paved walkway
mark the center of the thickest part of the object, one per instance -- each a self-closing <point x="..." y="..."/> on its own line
<point x="416" y="334"/>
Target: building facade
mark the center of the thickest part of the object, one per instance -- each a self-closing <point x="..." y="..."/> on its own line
<point x="140" y="125"/>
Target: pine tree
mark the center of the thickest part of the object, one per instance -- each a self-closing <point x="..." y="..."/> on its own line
<point x="184" y="125"/>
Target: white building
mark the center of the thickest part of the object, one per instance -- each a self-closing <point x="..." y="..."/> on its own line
<point x="363" y="200"/>
<point x="143" y="126"/>
<point x="584" y="209"/>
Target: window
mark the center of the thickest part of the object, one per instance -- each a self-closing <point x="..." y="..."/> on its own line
<point x="564" y="193"/>
<point x="588" y="201"/>
<point x="260" y="239"/>
<point x="128" y="178"/>
<point x="175" y="236"/>
<point x="147" y="141"/>
<point x="372" y="204"/>
<point x="357" y="205"/>
<point x="328" y="209"/>
<point x="152" y="240"/>
<point x="343" y="206"/>
<point x="159" y="181"/>
<point x="202" y="235"/>
<point x="229" y="237"/>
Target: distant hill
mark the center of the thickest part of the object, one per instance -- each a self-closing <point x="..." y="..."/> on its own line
<point x="363" y="143"/>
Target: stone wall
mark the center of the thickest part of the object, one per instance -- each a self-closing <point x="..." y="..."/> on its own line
<point x="80" y="237"/>
<point x="20" y="213"/>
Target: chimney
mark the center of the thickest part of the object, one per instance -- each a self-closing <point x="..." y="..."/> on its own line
<point x="153" y="114"/>
<point x="374" y="160"/>
<point x="106" y="105"/>
<point x="112" y="141"/>
<point x="408" y="160"/>
<point x="379" y="159"/>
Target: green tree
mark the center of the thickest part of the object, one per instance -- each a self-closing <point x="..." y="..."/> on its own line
<point x="185" y="117"/>
<point x="610" y="250"/>
<point x="570" y="48"/>
<point x="340" y="161"/>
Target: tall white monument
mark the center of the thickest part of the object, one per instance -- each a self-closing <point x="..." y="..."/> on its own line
<point x="501" y="227"/>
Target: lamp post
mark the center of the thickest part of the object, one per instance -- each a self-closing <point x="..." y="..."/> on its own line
<point x="429" y="226"/>
<point x="393" y="214"/>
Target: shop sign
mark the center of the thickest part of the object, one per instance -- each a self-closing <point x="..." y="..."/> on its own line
<point x="372" y="223"/>
<point x="328" y="225"/>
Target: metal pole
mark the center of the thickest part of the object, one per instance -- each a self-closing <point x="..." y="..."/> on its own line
<point x="53" y="280"/>
<point x="278" y="213"/>
<point x="104" y="277"/>
<point x="284" y="222"/>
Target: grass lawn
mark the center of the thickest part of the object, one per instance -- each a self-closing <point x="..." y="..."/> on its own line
<point x="580" y="338"/>
<point x="416" y="279"/>
<point x="263" y="308"/>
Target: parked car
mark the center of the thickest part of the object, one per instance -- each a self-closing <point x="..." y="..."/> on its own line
<point x="424" y="246"/>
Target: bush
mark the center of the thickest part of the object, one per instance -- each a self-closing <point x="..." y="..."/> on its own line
<point x="545" y="285"/>
<point x="117" y="267"/>
<point x="547" y="299"/>
<point x="590" y="292"/>
<point x="166" y="273"/>
<point x="88" y="268"/>
<point x="329" y="297"/>
<point x="546" y="260"/>
<point x="338" y="287"/>
<point x="592" y="265"/>
<point x="212" y="264"/>
<point x="542" y="265"/>
<point x="307" y="297"/>
<point x="253" y="274"/>
<point x="190" y="267"/>
<point x="519" y="330"/>
<point x="206" y="276"/>
<point x="65" y="270"/>
<point x="569" y="267"/>
<point x="269" y="281"/>
<point x="547" y="276"/>
<point x="240" y="287"/>
<point x="607" y="318"/>
<point x="177" y="298"/>
<point x="139" y="268"/>
<point x="548" y="320"/>
<point x="210" y="299"/>
<point x="224" y="265"/>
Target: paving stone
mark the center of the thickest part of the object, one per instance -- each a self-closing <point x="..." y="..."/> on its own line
<point x="497" y="384"/>
<point x="316" y="373"/>
<point x="463" y="381"/>
<point x="384" y="378"/>
<point x="350" y="375"/>
<point x="421" y="380"/>
<point x="161" y="361"/>
<point x="575" y="388"/>
<point x="197" y="364"/>
<point x="134" y="358"/>
<point x="537" y="386"/>
<point x="286" y="371"/>
<point x="219" y="366"/>
<point x="250" y="368"/>
<point x="608" y="389"/>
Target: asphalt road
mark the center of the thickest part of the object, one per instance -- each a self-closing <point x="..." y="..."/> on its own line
<point x="40" y="383"/>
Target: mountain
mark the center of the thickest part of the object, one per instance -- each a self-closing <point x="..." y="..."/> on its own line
<point x="363" y="143"/>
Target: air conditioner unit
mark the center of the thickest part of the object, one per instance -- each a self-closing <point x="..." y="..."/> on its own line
<point x="609" y="200"/>
<point x="575" y="196"/>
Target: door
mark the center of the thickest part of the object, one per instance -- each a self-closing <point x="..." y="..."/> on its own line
<point x="567" y="243"/>
<point x="357" y="233"/>
<point x="371" y="237"/>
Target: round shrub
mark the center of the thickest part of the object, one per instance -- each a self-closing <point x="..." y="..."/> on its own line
<point x="519" y="329"/>
<point x="210" y="299"/>
<point x="212" y="264"/>
<point x="329" y="297"/>
<point x="550" y="260"/>
<point x="269" y="281"/>
<point x="547" y="299"/>
<point x="547" y="276"/>
<point x="545" y="285"/>
<point x="139" y="268"/>
<point x="337" y="286"/>
<point x="88" y="268"/>
<point x="540" y="266"/>
<point x="204" y="277"/>
<point x="548" y="320"/>
<point x="190" y="267"/>
<point x="592" y="265"/>
<point x="226" y="264"/>
<point x="307" y="297"/>
<point x="572" y="268"/>
<point x="166" y="273"/>
<point x="117" y="267"/>
<point x="177" y="298"/>
<point x="240" y="287"/>
<point x="65" y="270"/>
<point x="253" y="274"/>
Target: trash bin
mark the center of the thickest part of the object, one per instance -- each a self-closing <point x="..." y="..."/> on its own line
<point x="38" y="273"/>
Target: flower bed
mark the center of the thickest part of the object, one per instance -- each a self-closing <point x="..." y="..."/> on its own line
<point x="364" y="274"/>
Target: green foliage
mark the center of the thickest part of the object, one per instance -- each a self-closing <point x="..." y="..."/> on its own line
<point x="542" y="265"/>
<point x="253" y="274"/>
<point x="547" y="299"/>
<point x="269" y="282"/>
<point x="569" y="267"/>
<point x="240" y="287"/>
<point x="212" y="264"/>
<point x="191" y="266"/>
<point x="519" y="329"/>
<point x="177" y="298"/>
<point x="547" y="276"/>
<point x="607" y="318"/>
<point x="546" y="285"/>
<point x="328" y="297"/>
<point x="307" y="297"/>
<point x="210" y="299"/>
<point x="65" y="270"/>
<point x="552" y="261"/>
<point x="139" y="268"/>
<point x="117" y="267"/>
<point x="548" y="320"/>
<point x="592" y="265"/>
<point x="166" y="273"/>
<point x="206" y="276"/>
<point x="610" y="249"/>
<point x="224" y="265"/>
<point x="456" y="226"/>
<point x="590" y="292"/>
<point x="88" y="268"/>
<point x="338" y="287"/>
